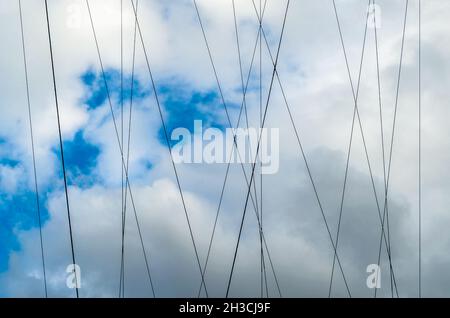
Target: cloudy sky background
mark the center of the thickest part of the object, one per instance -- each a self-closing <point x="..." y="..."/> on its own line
<point x="313" y="72"/>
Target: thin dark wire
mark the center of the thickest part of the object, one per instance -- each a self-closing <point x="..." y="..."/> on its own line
<point x="237" y="150"/>
<point x="257" y="149"/>
<point x="212" y="64"/>
<point x="263" y="265"/>
<point x="215" y="221"/>
<point x="116" y="130"/>
<point x="245" y="176"/>
<point x="121" y="128"/>
<point x="128" y="148"/>
<point x="380" y="110"/>
<point x="379" y="95"/>
<point x="121" y="86"/>
<point x="30" y="120"/>
<point x="302" y="152"/>
<point x="349" y="148"/>
<point x="61" y="145"/>
<point x="246" y="117"/>
<point x="169" y="149"/>
<point x="277" y="284"/>
<point x="420" y="149"/>
<point x="385" y="213"/>
<point x="214" y="227"/>
<point x="242" y="84"/>
<point x="218" y="82"/>
<point x="243" y="88"/>
<point x="229" y="121"/>
<point x="387" y="240"/>
<point x="365" y="145"/>
<point x="221" y="93"/>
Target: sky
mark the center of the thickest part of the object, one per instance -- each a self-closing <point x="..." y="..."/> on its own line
<point x="313" y="72"/>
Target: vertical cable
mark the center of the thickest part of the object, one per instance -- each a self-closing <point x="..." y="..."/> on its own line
<point x="383" y="151"/>
<point x="166" y="135"/>
<point x="61" y="148"/>
<point x="420" y="149"/>
<point x="303" y="155"/>
<point x="385" y="209"/>
<point x="128" y="151"/>
<point x="257" y="149"/>
<point x="243" y="107"/>
<point x="30" y="120"/>
<point x="263" y="266"/>
<point x="121" y="131"/>
<point x="247" y="122"/>
<point x="355" y="112"/>
<point x="245" y="176"/>
<point x="117" y="137"/>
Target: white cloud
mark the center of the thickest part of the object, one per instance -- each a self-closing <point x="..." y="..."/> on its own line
<point x="312" y="69"/>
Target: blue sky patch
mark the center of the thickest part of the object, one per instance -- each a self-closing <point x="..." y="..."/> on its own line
<point x="181" y="105"/>
<point x="80" y="158"/>
<point x="97" y="94"/>
<point x="9" y="162"/>
<point x="17" y="212"/>
<point x="184" y="107"/>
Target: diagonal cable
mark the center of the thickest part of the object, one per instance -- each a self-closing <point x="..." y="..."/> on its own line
<point x="356" y="109"/>
<point x="255" y="205"/>
<point x="168" y="145"/>
<point x="147" y="263"/>
<point x="257" y="149"/>
<point x="383" y="152"/>
<point x="385" y="209"/>
<point x="262" y="265"/>
<point x="30" y="121"/>
<point x="351" y="137"/>
<point x="303" y="154"/>
<point x="128" y="154"/>
<point x="61" y="148"/>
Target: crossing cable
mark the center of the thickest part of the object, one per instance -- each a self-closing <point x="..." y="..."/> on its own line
<point x="263" y="262"/>
<point x="234" y="146"/>
<point x="349" y="150"/>
<point x="169" y="149"/>
<point x="355" y="115"/>
<point x="246" y="180"/>
<point x="301" y="147"/>
<point x="257" y="149"/>
<point x="381" y="122"/>
<point x="420" y="149"/>
<point x="387" y="240"/>
<point x="221" y="92"/>
<point x="30" y="121"/>
<point x="385" y="209"/>
<point x="297" y="134"/>
<point x="243" y="88"/>
<point x="147" y="263"/>
<point x="61" y="148"/>
<point x="243" y="106"/>
<point x="121" y="128"/>
<point x="262" y="265"/>
<point x="356" y="110"/>
<point x="128" y="149"/>
<point x="121" y="88"/>
<point x="260" y="123"/>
